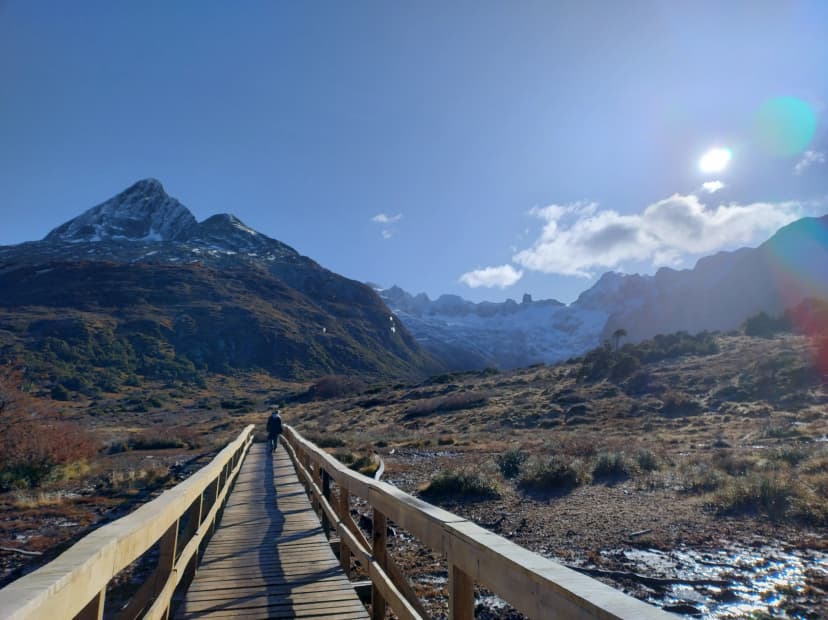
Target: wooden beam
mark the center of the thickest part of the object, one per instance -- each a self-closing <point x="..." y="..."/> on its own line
<point x="461" y="594"/>
<point x="94" y="609"/>
<point x="380" y="540"/>
<point x="343" y="508"/>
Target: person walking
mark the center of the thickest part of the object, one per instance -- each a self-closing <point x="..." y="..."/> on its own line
<point x="274" y="429"/>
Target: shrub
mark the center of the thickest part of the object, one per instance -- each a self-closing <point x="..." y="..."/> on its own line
<point x="765" y="326"/>
<point x="770" y="495"/>
<point x="156" y="442"/>
<point x="596" y="363"/>
<point x="452" y="402"/>
<point x="242" y="405"/>
<point x="603" y="362"/>
<point x="679" y="404"/>
<point x="792" y="456"/>
<point x="335" y="386"/>
<point x="701" y="478"/>
<point x="345" y="457"/>
<point x="610" y="465"/>
<point x="552" y="474"/>
<point x="647" y="460"/>
<point x="732" y="463"/>
<point x="171" y="439"/>
<point x="367" y="465"/>
<point x="60" y="393"/>
<point x="624" y="366"/>
<point x="459" y="484"/>
<point x="326" y="441"/>
<point x="510" y="462"/>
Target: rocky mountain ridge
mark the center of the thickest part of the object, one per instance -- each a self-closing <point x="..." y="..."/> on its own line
<point x="718" y="293"/>
<point x="466" y="335"/>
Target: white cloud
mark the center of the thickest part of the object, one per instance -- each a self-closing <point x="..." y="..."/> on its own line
<point x="808" y="159"/>
<point x="387" y="222"/>
<point x="580" y="238"/>
<point x="382" y="218"/>
<point x="499" y="277"/>
<point x="711" y="187"/>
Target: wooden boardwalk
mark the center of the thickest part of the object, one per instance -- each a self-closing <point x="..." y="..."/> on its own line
<point x="269" y="557"/>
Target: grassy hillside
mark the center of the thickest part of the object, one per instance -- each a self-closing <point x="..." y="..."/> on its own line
<point x="91" y="327"/>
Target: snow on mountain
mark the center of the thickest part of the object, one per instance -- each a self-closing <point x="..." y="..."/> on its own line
<point x="142" y="212"/>
<point x="467" y="335"/>
<point x="145" y="224"/>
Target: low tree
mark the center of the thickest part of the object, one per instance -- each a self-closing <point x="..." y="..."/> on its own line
<point x="617" y="335"/>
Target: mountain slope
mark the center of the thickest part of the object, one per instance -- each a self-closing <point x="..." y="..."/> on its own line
<point x="721" y="291"/>
<point x="215" y="295"/>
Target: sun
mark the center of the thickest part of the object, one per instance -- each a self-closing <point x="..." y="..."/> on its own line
<point x="715" y="160"/>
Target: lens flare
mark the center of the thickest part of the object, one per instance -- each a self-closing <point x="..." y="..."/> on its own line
<point x="715" y="160"/>
<point x="785" y="126"/>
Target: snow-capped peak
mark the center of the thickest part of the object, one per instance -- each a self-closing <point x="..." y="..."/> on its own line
<point x="143" y="211"/>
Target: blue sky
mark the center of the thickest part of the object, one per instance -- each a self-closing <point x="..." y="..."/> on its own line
<point x="445" y="147"/>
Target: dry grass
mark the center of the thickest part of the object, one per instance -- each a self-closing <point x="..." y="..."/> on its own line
<point x="26" y="500"/>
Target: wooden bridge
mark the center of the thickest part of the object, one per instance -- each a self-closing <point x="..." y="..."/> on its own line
<point x="252" y="535"/>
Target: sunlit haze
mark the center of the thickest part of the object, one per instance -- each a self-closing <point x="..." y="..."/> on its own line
<point x="715" y="160"/>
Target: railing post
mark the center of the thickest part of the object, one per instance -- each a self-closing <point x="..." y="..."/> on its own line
<point x="461" y="594"/>
<point x="317" y="480"/>
<point x="344" y="514"/>
<point x="166" y="559"/>
<point x="193" y="523"/>
<point x="94" y="609"/>
<point x="326" y="493"/>
<point x="214" y="490"/>
<point x="380" y="551"/>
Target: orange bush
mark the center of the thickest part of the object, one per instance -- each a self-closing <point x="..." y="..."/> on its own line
<point x="30" y="450"/>
<point x="31" y="446"/>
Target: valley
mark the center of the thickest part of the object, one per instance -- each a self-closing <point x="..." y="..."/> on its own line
<point x="674" y="448"/>
<point x="687" y="483"/>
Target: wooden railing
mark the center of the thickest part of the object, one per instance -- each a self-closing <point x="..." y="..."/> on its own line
<point x="179" y="521"/>
<point x="536" y="586"/>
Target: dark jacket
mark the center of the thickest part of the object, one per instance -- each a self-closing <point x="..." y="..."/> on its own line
<point x="274" y="425"/>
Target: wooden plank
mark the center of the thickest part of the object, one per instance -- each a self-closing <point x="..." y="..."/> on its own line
<point x="269" y="556"/>
<point x="245" y="589"/>
<point x="211" y="581"/>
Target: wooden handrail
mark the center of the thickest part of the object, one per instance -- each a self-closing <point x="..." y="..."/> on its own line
<point x="537" y="586"/>
<point x="74" y="584"/>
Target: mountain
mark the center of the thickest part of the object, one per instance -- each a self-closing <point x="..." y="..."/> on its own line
<point x="144" y="211"/>
<point x="722" y="290"/>
<point x="136" y="286"/>
<point x="466" y="335"/>
<point x="718" y="293"/>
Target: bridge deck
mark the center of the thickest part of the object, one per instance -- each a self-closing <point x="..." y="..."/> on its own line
<point x="269" y="557"/>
